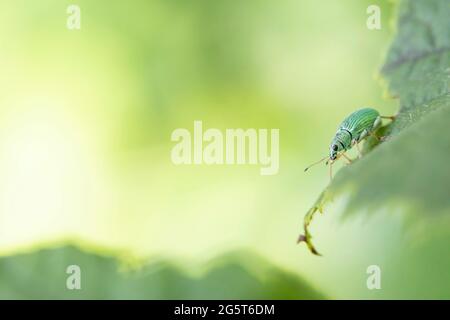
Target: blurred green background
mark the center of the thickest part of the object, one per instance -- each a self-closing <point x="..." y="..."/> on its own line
<point x="85" y="124"/>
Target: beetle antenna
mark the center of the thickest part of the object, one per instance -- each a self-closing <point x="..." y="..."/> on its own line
<point x="306" y="169"/>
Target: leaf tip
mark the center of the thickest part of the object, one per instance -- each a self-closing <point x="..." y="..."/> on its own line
<point x="307" y="240"/>
<point x="301" y="238"/>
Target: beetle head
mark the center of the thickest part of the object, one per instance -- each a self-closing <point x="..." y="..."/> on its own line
<point x="334" y="148"/>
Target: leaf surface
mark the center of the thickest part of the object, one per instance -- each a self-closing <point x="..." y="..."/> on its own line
<point x="410" y="168"/>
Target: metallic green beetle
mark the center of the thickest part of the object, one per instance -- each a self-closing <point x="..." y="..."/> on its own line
<point x="357" y="126"/>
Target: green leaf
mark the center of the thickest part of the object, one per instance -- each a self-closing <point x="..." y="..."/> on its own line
<point x="237" y="275"/>
<point x="410" y="168"/>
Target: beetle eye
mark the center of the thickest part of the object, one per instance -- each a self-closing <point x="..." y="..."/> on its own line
<point x="335" y="147"/>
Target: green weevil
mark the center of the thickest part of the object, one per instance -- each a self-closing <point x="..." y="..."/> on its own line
<point x="356" y="127"/>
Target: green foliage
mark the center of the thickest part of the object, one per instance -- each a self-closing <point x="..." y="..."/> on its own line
<point x="240" y="275"/>
<point x="410" y="168"/>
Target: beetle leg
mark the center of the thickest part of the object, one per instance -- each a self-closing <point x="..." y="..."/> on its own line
<point x="356" y="142"/>
<point x="345" y="156"/>
<point x="330" y="162"/>
<point x="376" y="123"/>
<point x="388" y="117"/>
<point x="375" y="136"/>
<point x="363" y="134"/>
<point x="359" y="150"/>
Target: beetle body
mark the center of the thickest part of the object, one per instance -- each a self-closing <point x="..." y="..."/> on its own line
<point x="353" y="129"/>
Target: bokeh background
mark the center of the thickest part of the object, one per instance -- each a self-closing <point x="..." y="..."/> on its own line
<point x="85" y="124"/>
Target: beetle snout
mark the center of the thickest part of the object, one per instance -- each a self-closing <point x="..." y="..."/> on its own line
<point x="333" y="151"/>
